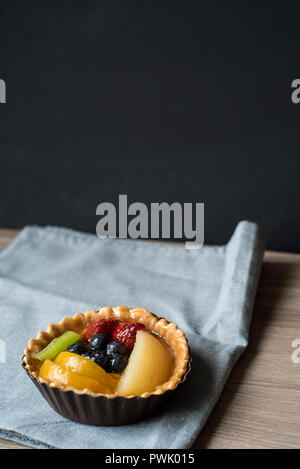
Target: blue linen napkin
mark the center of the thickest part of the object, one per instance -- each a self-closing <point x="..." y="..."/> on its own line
<point x="49" y="273"/>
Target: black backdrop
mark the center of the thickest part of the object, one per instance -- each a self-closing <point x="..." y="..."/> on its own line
<point x="163" y="100"/>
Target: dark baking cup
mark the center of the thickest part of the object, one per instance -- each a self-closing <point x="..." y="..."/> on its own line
<point x="101" y="410"/>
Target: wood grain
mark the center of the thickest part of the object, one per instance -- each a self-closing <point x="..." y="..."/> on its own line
<point x="259" y="406"/>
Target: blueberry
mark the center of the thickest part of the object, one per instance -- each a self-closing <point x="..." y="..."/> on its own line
<point x="88" y="354"/>
<point x="115" y="347"/>
<point x="101" y="359"/>
<point x="98" y="342"/>
<point x="118" y="363"/>
<point x="78" y="348"/>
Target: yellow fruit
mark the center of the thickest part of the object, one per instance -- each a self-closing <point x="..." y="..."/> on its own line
<point x="60" y="376"/>
<point x="115" y="375"/>
<point x="150" y="365"/>
<point x="85" y="367"/>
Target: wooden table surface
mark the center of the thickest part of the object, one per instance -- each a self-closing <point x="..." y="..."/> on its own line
<point x="260" y="405"/>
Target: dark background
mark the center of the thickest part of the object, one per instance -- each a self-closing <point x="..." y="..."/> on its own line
<point x="185" y="101"/>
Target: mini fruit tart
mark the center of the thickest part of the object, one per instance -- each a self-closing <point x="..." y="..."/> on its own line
<point x="108" y="367"/>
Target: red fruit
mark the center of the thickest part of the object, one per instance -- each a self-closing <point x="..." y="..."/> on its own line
<point x="103" y="326"/>
<point x="126" y="333"/>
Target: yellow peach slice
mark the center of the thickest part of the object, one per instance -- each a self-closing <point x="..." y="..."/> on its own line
<point x="115" y="375"/>
<point x="150" y="364"/>
<point x="60" y="376"/>
<point x="85" y="367"/>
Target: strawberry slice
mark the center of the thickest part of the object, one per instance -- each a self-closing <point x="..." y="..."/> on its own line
<point x="103" y="326"/>
<point x="126" y="333"/>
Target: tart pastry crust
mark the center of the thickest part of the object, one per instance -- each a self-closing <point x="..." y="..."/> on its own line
<point x="168" y="331"/>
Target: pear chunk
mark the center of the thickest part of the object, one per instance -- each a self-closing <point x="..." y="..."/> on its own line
<point x="150" y="365"/>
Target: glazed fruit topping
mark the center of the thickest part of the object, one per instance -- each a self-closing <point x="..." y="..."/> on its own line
<point x="78" y="347"/>
<point x="117" y="363"/>
<point x="106" y="326"/>
<point x="61" y="376"/>
<point x="86" y="367"/>
<point x="101" y="359"/>
<point x="111" y="356"/>
<point x="88" y="354"/>
<point x="149" y="365"/>
<point x="126" y="333"/>
<point x="58" y="345"/>
<point x="115" y="347"/>
<point x="99" y="341"/>
<point x="108" y="343"/>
